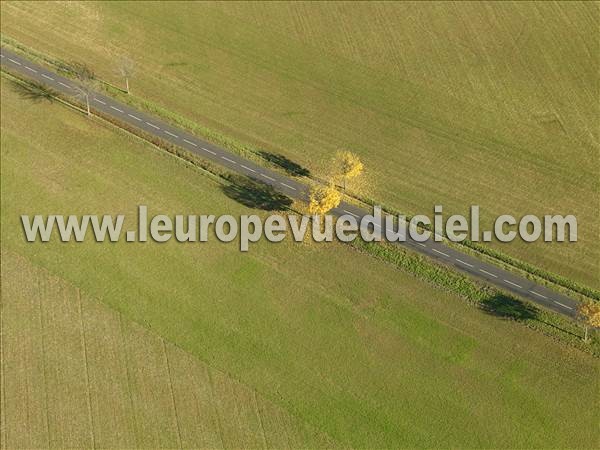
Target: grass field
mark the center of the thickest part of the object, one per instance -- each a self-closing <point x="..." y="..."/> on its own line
<point x="76" y="374"/>
<point x="455" y="104"/>
<point x="334" y="347"/>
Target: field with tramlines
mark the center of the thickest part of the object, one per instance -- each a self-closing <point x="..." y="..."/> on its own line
<point x="77" y="374"/>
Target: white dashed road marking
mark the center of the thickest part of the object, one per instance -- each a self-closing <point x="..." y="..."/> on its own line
<point x="488" y="273"/>
<point x="248" y="168"/>
<point x="441" y="253"/>
<point x="191" y="143"/>
<point x="562" y="304"/>
<point x="153" y="126"/>
<point x="30" y="69"/>
<point x="171" y="134"/>
<point x="287" y="186"/>
<point x="16" y="62"/>
<point x="539" y="295"/>
<point x="228" y="160"/>
<point x="422" y="245"/>
<point x="46" y="76"/>
<point x="267" y="177"/>
<point x="99" y="101"/>
<point x="135" y="117"/>
<point x="514" y="284"/>
<point x="351" y="213"/>
<point x="209" y="151"/>
<point x="65" y="85"/>
<point x="465" y="263"/>
<point x="117" y="109"/>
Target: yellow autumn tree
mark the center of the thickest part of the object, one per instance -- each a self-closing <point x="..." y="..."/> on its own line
<point x="323" y="199"/>
<point x="348" y="165"/>
<point x="589" y="313"/>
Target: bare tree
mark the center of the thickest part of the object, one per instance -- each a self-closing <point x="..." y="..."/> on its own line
<point x="126" y="70"/>
<point x="86" y="79"/>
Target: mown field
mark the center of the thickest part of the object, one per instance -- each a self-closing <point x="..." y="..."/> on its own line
<point x="76" y="374"/>
<point x="330" y="346"/>
<point x="492" y="104"/>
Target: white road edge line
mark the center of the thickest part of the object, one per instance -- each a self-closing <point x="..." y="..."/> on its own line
<point x="562" y="304"/>
<point x="287" y="186"/>
<point x="209" y="151"/>
<point x="99" y="101"/>
<point x="514" y="284"/>
<point x="539" y="295"/>
<point x="190" y="142"/>
<point x="441" y="253"/>
<point x="267" y="177"/>
<point x="488" y="273"/>
<point x="135" y="117"/>
<point x="465" y="263"/>
<point x="117" y="109"/>
<point x="247" y="168"/>
<point x="153" y="126"/>
<point x="46" y="76"/>
<point x="171" y="134"/>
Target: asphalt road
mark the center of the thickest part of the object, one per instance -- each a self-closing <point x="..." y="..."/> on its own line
<point x="440" y="252"/>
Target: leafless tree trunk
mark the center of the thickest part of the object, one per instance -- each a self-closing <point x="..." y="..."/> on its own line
<point x="126" y="69"/>
<point x="86" y="83"/>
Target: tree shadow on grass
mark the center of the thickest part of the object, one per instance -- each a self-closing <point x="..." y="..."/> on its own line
<point x="255" y="194"/>
<point x="505" y="307"/>
<point x="286" y="164"/>
<point x="500" y="305"/>
<point x="34" y="91"/>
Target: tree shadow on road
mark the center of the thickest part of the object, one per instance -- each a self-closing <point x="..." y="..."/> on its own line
<point x="34" y="91"/>
<point x="255" y="194"/>
<point x="286" y="164"/>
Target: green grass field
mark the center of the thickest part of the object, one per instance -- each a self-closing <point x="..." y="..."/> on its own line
<point x="335" y="347"/>
<point x="455" y="104"/>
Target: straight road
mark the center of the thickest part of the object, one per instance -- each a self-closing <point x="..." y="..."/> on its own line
<point x="438" y="251"/>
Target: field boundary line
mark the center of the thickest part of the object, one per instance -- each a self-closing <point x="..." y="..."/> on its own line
<point x="214" y="403"/>
<point x="45" y="369"/>
<point x="3" y="430"/>
<point x="87" y="369"/>
<point x="168" y="366"/>
<point x="127" y="371"/>
<point x="260" y="421"/>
